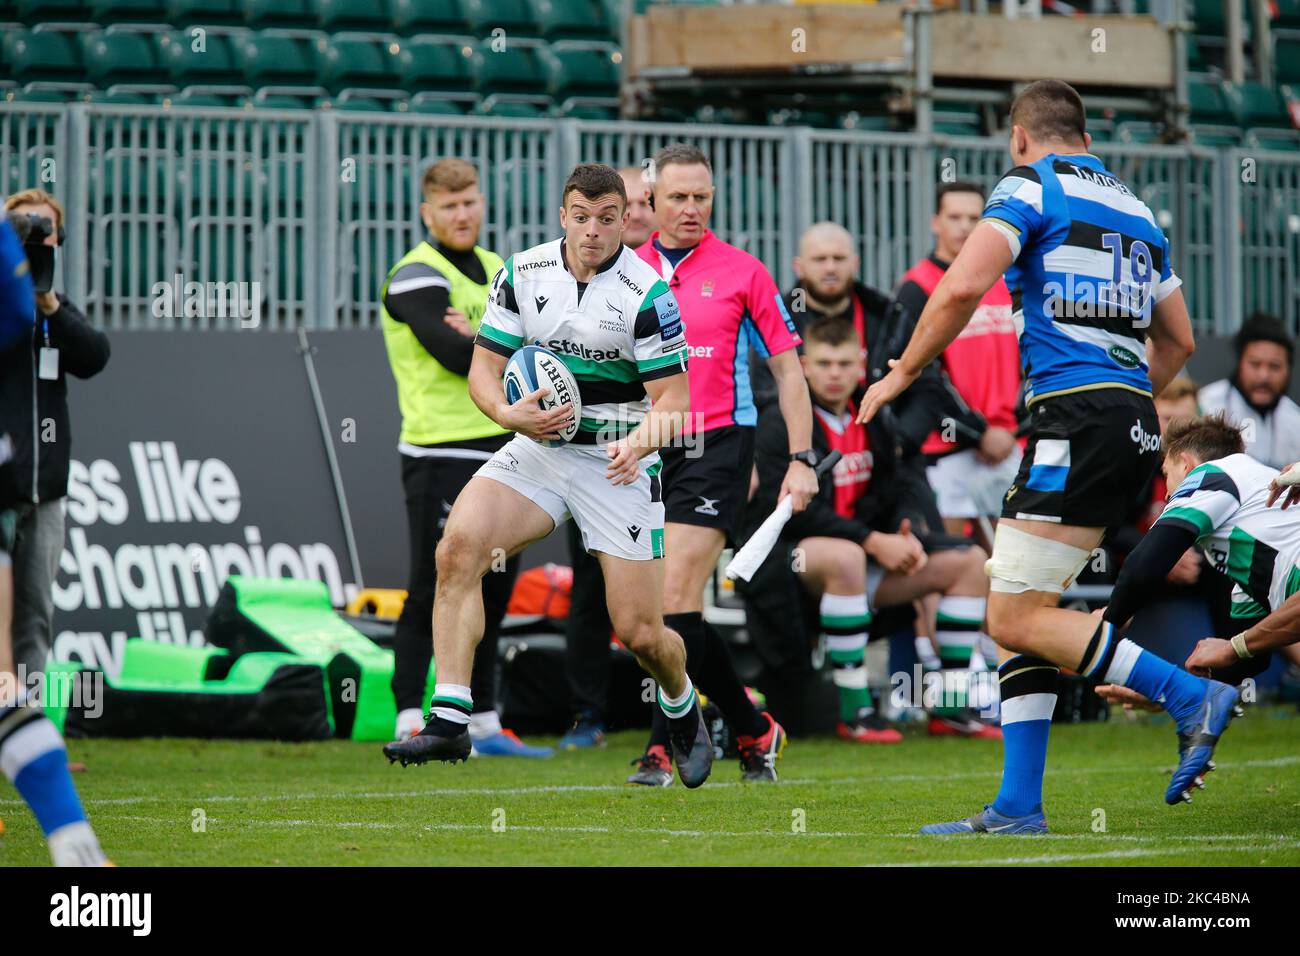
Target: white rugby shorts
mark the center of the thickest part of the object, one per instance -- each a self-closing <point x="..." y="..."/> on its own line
<point x="626" y="521"/>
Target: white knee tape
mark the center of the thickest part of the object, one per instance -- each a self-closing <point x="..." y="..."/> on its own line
<point x="1025" y="562"/>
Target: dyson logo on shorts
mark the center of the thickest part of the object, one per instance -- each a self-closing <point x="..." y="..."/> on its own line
<point x="1144" y="441"/>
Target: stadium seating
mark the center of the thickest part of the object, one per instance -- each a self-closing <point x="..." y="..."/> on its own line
<point x="353" y="15"/>
<point x="516" y="17"/>
<point x="1258" y="105"/>
<point x="356" y="65"/>
<point x="128" y="11"/>
<point x="52" y="11"/>
<point x="184" y="13"/>
<point x="412" y="17"/>
<point x="555" y="58"/>
<point x="573" y="20"/>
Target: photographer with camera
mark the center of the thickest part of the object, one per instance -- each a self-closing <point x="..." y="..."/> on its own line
<point x="34" y="411"/>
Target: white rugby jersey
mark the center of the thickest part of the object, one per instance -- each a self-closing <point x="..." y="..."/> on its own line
<point x="1273" y="437"/>
<point x="615" y="333"/>
<point x="1256" y="546"/>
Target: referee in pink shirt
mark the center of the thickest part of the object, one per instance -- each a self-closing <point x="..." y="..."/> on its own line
<point x="729" y="304"/>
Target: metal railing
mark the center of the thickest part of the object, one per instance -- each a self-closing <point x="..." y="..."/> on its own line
<point x="315" y="206"/>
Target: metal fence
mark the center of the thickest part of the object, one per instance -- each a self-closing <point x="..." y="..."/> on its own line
<point x="308" y="210"/>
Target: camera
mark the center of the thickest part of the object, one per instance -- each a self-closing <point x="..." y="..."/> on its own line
<point x="32" y="231"/>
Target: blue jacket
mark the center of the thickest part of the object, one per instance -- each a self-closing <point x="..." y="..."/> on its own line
<point x="17" y="300"/>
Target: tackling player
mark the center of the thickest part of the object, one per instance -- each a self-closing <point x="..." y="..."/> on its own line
<point x="1103" y="326"/>
<point x="617" y="327"/>
<point x="729" y="303"/>
<point x="1222" y="504"/>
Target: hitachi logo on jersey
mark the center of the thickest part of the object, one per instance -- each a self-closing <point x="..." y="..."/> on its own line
<point x="630" y="284"/>
<point x="1101" y="179"/>
<point x="539" y="264"/>
<point x="565" y="347"/>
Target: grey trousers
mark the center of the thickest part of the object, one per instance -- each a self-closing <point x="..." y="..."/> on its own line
<point x="38" y="543"/>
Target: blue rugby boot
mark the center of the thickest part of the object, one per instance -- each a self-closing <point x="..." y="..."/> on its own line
<point x="1197" y="738"/>
<point x="989" y="820"/>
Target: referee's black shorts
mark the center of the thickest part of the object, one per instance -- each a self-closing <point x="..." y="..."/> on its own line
<point x="708" y="485"/>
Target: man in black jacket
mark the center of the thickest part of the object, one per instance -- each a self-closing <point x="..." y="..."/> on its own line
<point x="827" y="268"/>
<point x="34" y="411"/>
<point x="854" y="548"/>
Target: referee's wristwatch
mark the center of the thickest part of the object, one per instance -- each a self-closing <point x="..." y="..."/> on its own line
<point x="808" y="457"/>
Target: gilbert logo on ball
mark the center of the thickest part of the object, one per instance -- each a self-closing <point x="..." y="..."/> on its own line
<point x="534" y="367"/>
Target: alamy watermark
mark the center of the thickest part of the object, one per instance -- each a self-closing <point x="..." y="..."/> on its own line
<point x="176" y="299"/>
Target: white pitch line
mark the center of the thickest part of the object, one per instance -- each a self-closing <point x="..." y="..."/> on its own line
<point x="1263" y="841"/>
<point x="620" y="788"/>
<point x="1107" y="855"/>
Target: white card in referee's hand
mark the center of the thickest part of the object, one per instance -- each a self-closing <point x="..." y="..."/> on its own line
<point x="760" y="543"/>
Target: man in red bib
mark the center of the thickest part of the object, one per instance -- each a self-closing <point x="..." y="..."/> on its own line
<point x="973" y="454"/>
<point x="854" y="549"/>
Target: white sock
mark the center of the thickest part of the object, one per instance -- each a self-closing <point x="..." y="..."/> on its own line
<point x="680" y="706"/>
<point x="484" y="723"/>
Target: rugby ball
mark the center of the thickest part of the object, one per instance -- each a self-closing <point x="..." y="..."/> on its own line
<point x="534" y="367"/>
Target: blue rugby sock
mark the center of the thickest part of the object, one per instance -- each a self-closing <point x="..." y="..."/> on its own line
<point x="1111" y="659"/>
<point x="1028" y="688"/>
<point x="33" y="757"/>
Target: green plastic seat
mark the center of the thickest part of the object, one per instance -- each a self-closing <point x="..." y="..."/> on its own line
<point x="1259" y="105"/>
<point x="435" y="63"/>
<point x="45" y="56"/>
<point x="581" y="71"/>
<point x="1277" y="140"/>
<point x="359" y="15"/>
<point x="299" y="14"/>
<point x="262" y="100"/>
<point x="1137" y="131"/>
<point x="183" y="13"/>
<point x="215" y="65"/>
<point x="518" y="109"/>
<point x="515" y="17"/>
<point x="1286" y="60"/>
<point x="46" y="95"/>
<point x="206" y="96"/>
<point x="128" y="11"/>
<point x="112" y="58"/>
<point x="358" y="62"/>
<point x="589" y="111"/>
<point x="368" y="104"/>
<point x="956" y="128"/>
<point x="121" y="97"/>
<point x="1216" y="136"/>
<point x="1208" y="98"/>
<point x="436" y="106"/>
<point x="270" y="59"/>
<point x="413" y="17"/>
<point x="516" y="69"/>
<point x="35" y="12"/>
<point x="1208" y="17"/>
<point x="574" y="20"/>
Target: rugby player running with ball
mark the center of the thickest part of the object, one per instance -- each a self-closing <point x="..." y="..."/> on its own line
<point x="616" y="326"/>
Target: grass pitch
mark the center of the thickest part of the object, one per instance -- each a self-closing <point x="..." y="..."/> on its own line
<point x="225" y="803"/>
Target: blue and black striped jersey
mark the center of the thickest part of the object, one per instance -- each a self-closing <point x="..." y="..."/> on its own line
<point x="1090" y="263"/>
